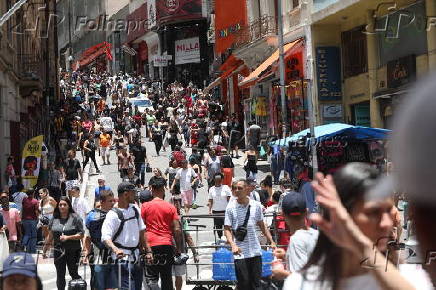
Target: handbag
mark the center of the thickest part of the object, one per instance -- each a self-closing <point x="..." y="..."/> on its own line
<point x="148" y="168"/>
<point x="241" y="232"/>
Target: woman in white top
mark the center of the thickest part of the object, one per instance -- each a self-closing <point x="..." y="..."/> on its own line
<point x="350" y="251"/>
<point x="46" y="208"/>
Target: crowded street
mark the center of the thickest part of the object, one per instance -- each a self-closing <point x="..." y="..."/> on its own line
<point x="217" y="145"/>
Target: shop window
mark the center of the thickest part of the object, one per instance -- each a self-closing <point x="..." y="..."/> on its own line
<point x="354" y="52"/>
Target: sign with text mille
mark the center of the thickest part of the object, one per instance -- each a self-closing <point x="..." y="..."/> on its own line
<point x="187" y="51"/>
<point x="328" y="67"/>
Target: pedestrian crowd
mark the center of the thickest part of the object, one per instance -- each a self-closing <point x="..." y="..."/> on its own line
<point x="340" y="232"/>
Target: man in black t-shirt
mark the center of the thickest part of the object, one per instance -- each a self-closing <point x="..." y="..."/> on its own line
<point x="72" y="170"/>
<point x="139" y="153"/>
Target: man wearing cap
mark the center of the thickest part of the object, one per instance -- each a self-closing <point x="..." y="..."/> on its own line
<point x="101" y="186"/>
<point x="20" y="273"/>
<point x="303" y="238"/>
<point x="123" y="232"/>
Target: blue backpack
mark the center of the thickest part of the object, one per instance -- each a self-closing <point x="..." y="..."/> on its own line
<point x="94" y="222"/>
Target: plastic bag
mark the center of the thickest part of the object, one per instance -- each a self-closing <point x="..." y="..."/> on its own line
<point x="4" y="249"/>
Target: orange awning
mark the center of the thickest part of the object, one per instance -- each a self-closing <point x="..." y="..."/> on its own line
<point x="254" y="76"/>
<point x="230" y="65"/>
<point x="93" y="52"/>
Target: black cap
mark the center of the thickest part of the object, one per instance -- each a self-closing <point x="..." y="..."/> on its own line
<point x="294" y="203"/>
<point x="125" y="186"/>
<point x="145" y="196"/>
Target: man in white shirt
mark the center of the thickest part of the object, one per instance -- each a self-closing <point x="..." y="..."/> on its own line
<point x="245" y="244"/>
<point x="126" y="236"/>
<point x="80" y="204"/>
<point x="303" y="238"/>
<point x="187" y="177"/>
<point x="219" y="196"/>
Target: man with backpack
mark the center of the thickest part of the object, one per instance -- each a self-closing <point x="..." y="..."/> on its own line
<point x="123" y="232"/>
<point x="102" y="272"/>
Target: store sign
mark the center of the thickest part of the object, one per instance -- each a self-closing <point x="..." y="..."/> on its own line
<point x="294" y="67"/>
<point x="152" y="16"/>
<point x="160" y="60"/>
<point x="401" y="71"/>
<point x="328" y="66"/>
<point x="332" y="111"/>
<point x="230" y="18"/>
<point x="187" y="51"/>
<point x="170" y="10"/>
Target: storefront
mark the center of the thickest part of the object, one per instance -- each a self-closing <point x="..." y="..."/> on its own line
<point x="264" y="81"/>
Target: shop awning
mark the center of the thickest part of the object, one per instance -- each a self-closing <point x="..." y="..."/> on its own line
<point x="93" y="52"/>
<point x="213" y="84"/>
<point x="257" y="73"/>
<point x="230" y="65"/>
<point x="130" y="51"/>
<point x="387" y="94"/>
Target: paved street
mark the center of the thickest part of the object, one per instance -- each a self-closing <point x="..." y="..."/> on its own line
<point x="203" y="238"/>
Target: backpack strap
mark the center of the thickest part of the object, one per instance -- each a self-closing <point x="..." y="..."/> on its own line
<point x="121" y="227"/>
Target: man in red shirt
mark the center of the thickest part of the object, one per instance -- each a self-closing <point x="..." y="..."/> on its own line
<point x="163" y="227"/>
<point x="29" y="217"/>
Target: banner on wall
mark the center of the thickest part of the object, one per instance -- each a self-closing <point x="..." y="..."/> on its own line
<point x="31" y="160"/>
<point x="152" y="14"/>
<point x="187" y="51"/>
<point x="170" y="10"/>
<point x="230" y="18"/>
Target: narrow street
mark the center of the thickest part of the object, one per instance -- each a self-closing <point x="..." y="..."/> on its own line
<point x="110" y="172"/>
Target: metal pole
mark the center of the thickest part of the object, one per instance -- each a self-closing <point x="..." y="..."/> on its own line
<point x="282" y="67"/>
<point x="309" y="73"/>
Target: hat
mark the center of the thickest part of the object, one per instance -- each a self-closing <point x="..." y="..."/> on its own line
<point x="145" y="196"/>
<point x="294" y="203"/>
<point x="125" y="186"/>
<point x="251" y="181"/>
<point x="101" y="177"/>
<point x="19" y="263"/>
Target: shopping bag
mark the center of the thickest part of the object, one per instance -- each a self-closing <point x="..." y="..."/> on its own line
<point x="4" y="249"/>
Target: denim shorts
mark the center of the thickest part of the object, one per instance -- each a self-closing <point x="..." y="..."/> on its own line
<point x="106" y="276"/>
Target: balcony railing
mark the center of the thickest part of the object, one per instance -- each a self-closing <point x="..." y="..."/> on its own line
<point x="30" y="67"/>
<point x="256" y="30"/>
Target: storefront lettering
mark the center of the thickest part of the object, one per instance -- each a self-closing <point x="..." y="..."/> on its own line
<point x="329" y="86"/>
<point x="230" y="30"/>
<point x="186" y="47"/>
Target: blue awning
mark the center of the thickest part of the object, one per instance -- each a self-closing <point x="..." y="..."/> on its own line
<point x="344" y="131"/>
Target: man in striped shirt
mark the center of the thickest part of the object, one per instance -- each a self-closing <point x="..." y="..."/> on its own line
<point x="246" y="249"/>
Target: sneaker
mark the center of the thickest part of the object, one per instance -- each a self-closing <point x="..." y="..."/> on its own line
<point x="98" y="171"/>
<point x="194" y="206"/>
<point x="108" y="163"/>
<point x="181" y="259"/>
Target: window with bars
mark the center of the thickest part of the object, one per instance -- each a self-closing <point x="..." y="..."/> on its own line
<point x="354" y="52"/>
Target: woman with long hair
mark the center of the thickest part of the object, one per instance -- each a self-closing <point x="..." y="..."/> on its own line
<point x="65" y="232"/>
<point x="354" y="245"/>
<point x="250" y="163"/>
<point x="47" y="205"/>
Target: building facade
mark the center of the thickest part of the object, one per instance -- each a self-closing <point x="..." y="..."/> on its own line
<point x="28" y="76"/>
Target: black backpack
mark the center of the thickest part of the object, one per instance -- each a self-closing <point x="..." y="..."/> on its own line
<point x="120" y="228"/>
<point x="71" y="169"/>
